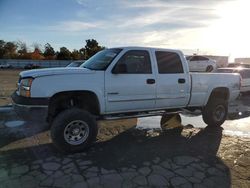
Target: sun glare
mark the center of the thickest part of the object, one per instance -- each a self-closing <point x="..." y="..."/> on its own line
<point x="230" y="34"/>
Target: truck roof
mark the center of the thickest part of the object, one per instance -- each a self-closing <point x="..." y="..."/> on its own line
<point x="148" y="48"/>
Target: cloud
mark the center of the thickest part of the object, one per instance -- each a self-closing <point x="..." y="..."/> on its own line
<point x="81" y="2"/>
<point x="73" y="26"/>
<point x="149" y="14"/>
<point x="173" y="19"/>
<point x="160" y="23"/>
<point x="170" y="3"/>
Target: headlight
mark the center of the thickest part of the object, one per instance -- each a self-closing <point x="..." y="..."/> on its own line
<point x="24" y="87"/>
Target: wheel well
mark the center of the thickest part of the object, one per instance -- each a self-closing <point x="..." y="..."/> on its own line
<point x="81" y="99"/>
<point x="221" y="93"/>
<point x="209" y="67"/>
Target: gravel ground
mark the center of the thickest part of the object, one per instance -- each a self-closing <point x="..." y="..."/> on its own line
<point x="122" y="156"/>
<point x="127" y="157"/>
<point x="8" y="80"/>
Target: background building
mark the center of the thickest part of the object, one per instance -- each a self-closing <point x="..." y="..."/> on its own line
<point x="242" y="60"/>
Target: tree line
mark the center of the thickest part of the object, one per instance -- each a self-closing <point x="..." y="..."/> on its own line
<point x="19" y="50"/>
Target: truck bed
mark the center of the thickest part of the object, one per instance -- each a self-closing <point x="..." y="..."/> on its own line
<point x="203" y="83"/>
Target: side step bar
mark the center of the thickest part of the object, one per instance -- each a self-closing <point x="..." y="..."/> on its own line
<point x="135" y="115"/>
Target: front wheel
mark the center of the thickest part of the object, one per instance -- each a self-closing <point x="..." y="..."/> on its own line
<point x="73" y="130"/>
<point x="215" y="112"/>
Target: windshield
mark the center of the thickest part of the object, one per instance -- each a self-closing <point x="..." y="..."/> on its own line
<point x="102" y="59"/>
<point x="75" y="64"/>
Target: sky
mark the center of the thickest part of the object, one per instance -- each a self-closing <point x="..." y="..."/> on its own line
<point x="217" y="27"/>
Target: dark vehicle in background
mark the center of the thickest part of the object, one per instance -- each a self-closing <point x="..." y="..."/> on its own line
<point x="31" y="66"/>
<point x="5" y="65"/>
<point x="75" y="63"/>
<point x="244" y="73"/>
<point x="243" y="65"/>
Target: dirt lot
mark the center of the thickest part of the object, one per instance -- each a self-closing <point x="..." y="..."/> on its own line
<point x="122" y="156"/>
<point x="126" y="157"/>
<point x="8" y="80"/>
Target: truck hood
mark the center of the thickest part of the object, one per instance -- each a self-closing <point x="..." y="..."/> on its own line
<point x="55" y="71"/>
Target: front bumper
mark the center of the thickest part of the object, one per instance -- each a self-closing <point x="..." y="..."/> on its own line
<point x="35" y="109"/>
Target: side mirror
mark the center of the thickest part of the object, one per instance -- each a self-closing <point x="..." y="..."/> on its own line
<point x="120" y="69"/>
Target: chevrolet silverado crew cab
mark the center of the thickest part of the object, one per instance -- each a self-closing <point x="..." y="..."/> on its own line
<point x="119" y="83"/>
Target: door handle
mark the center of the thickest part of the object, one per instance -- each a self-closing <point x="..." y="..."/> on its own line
<point x="150" y="81"/>
<point x="181" y="80"/>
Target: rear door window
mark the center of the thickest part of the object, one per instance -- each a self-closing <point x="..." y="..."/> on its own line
<point x="168" y="62"/>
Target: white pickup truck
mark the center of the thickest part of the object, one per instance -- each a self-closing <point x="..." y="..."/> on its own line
<point x="121" y="83"/>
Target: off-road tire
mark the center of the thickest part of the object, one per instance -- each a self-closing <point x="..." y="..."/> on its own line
<point x="215" y="112"/>
<point x="61" y="123"/>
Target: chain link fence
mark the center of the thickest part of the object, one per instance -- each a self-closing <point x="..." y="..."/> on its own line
<point x="16" y="63"/>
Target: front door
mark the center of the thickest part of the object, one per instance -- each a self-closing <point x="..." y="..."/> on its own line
<point x="130" y="86"/>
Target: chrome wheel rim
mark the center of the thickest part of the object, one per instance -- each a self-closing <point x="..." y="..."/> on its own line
<point x="76" y="132"/>
<point x="219" y="113"/>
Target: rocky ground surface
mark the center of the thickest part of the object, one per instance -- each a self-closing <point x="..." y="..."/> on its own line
<point x="126" y="157"/>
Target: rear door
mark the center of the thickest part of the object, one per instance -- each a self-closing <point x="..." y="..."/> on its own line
<point x="173" y="84"/>
<point x="130" y="83"/>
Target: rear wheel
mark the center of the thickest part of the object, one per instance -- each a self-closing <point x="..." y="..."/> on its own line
<point x="215" y="112"/>
<point x="73" y="130"/>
